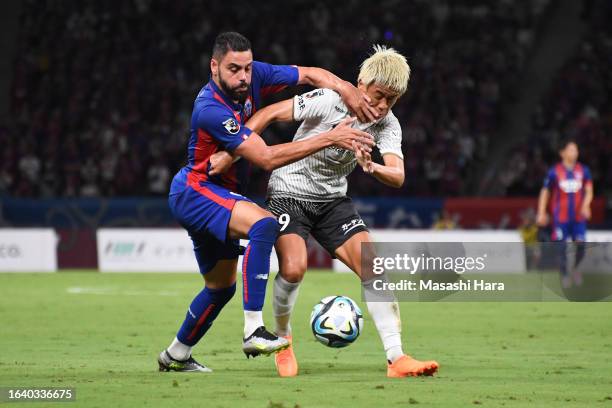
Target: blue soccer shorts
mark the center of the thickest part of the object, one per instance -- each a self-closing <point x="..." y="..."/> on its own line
<point x="576" y="231"/>
<point x="204" y="209"/>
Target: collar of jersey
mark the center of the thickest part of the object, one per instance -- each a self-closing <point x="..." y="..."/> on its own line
<point x="235" y="106"/>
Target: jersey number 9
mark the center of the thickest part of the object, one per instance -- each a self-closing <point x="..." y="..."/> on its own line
<point x="284" y="221"/>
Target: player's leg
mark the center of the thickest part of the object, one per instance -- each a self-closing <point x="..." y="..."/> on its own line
<point x="217" y="262"/>
<point x="250" y="221"/>
<point x="560" y="234"/>
<point x="293" y="259"/>
<point x="384" y="311"/>
<point x="204" y="211"/>
<point x="342" y="232"/>
<point x="579" y="238"/>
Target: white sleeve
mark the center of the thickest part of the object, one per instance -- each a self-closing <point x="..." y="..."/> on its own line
<point x="314" y="104"/>
<point x="390" y="139"/>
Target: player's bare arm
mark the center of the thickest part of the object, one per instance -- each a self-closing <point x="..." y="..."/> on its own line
<point x="278" y="112"/>
<point x="283" y="112"/>
<point x="542" y="217"/>
<point x="390" y="173"/>
<point x="586" y="203"/>
<point x="355" y="99"/>
<point x="269" y="158"/>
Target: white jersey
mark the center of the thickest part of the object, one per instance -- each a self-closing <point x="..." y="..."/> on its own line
<point x="322" y="175"/>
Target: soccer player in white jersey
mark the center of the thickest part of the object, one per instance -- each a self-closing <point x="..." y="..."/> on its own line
<point x="309" y="197"/>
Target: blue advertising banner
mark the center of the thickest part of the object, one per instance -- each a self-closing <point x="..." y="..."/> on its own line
<point x="154" y="212"/>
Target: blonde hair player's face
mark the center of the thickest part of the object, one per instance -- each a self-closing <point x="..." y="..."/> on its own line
<point x="381" y="97"/>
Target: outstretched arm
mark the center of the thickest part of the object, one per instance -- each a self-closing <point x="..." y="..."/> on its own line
<point x="255" y="150"/>
<point x="279" y="112"/>
<point x="356" y="100"/>
<point x="282" y="111"/>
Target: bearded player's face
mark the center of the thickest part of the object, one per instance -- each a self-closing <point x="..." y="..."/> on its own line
<point x="233" y="74"/>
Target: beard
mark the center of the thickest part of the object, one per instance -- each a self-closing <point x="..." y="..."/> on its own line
<point x="238" y="93"/>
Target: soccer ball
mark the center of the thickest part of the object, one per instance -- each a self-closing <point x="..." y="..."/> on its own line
<point x="336" y="321"/>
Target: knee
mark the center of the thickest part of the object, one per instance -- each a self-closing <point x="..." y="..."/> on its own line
<point x="265" y="230"/>
<point x="222" y="295"/>
<point x="230" y="291"/>
<point x="293" y="272"/>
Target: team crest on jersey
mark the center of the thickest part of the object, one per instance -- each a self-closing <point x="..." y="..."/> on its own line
<point x="231" y="126"/>
<point x="248" y="107"/>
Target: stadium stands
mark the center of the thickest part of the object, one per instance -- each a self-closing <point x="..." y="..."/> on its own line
<point x="102" y="91"/>
<point x="577" y="105"/>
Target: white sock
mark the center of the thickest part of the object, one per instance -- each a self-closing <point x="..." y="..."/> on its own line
<point x="386" y="317"/>
<point x="178" y="350"/>
<point x="253" y="319"/>
<point x="284" y="298"/>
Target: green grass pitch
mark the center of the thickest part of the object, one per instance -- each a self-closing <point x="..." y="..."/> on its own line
<point x="101" y="333"/>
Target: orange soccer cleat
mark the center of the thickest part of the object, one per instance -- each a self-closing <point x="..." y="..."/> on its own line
<point x="285" y="361"/>
<point x="407" y="366"/>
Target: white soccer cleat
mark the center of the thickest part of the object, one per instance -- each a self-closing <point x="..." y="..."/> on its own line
<point x="263" y="342"/>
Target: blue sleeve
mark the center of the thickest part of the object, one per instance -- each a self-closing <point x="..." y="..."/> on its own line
<point x="549" y="180"/>
<point x="275" y="76"/>
<point x="587" y="174"/>
<point x="221" y="124"/>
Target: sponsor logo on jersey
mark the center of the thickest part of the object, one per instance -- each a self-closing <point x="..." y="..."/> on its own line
<point x="357" y="222"/>
<point x="337" y="149"/>
<point x="231" y="126"/>
<point x="570" y="185"/>
<point x="301" y="104"/>
<point x="314" y="94"/>
<point x="340" y="109"/>
<point x="263" y="276"/>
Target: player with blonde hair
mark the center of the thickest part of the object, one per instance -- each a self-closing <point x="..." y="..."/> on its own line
<point x="309" y="197"/>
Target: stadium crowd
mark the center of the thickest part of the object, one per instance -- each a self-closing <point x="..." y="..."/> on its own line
<point x="102" y="91"/>
<point x="579" y="106"/>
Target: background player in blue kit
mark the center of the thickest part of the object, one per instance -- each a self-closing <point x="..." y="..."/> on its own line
<point x="569" y="187"/>
<point x="212" y="208"/>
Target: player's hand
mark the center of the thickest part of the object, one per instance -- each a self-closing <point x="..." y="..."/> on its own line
<point x="542" y="219"/>
<point x="220" y="162"/>
<point x="586" y="212"/>
<point x="358" y="103"/>
<point x="343" y="136"/>
<point x="364" y="159"/>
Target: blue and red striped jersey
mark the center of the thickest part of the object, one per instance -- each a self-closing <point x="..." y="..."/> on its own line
<point x="218" y="124"/>
<point x="568" y="188"/>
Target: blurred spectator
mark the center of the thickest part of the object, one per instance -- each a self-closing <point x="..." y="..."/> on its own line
<point x="445" y="221"/>
<point x="529" y="233"/>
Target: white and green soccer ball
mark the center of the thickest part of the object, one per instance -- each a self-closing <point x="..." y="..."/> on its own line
<point x="336" y="321"/>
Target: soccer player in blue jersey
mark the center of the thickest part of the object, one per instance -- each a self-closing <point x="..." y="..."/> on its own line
<point x="571" y="186"/>
<point x="212" y="208"/>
